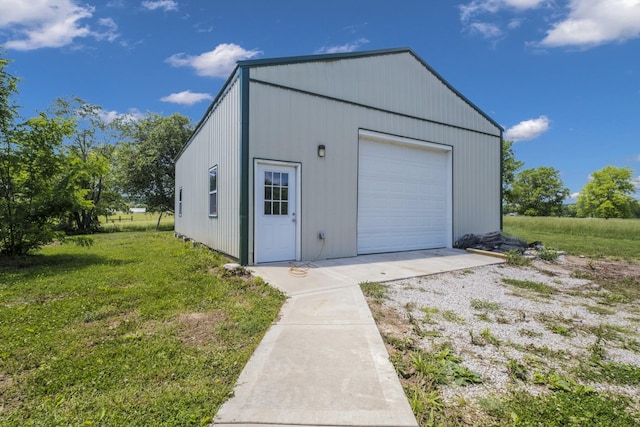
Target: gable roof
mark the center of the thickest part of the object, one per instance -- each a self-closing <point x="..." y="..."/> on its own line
<point x="289" y="60"/>
<point x="251" y="63"/>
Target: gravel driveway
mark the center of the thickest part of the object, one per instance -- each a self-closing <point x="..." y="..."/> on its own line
<point x="545" y="318"/>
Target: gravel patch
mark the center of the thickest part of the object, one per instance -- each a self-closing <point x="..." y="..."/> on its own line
<point x="544" y="318"/>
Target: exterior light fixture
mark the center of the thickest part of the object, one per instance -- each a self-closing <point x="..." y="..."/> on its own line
<point x="321" y="150"/>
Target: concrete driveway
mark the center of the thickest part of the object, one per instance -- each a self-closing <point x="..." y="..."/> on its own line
<point x="323" y="363"/>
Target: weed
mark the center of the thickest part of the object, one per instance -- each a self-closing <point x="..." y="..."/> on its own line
<point x="529" y="333"/>
<point x="374" y="290"/>
<point x="424" y="403"/>
<point x="599" y="310"/>
<point x="610" y="372"/>
<point x="631" y="344"/>
<point x="559" y="382"/>
<point x="429" y="314"/>
<point x="560" y="409"/>
<point x="537" y="287"/>
<point x="559" y="329"/>
<point x="514" y="257"/>
<point x="442" y="366"/>
<point x="478" y="304"/>
<point x="451" y="316"/>
<point x="489" y="337"/>
<point x="465" y="376"/>
<point x="548" y="255"/>
<point x="517" y="371"/>
<point x="400" y="344"/>
<point x="484" y="317"/>
<point x="547" y="352"/>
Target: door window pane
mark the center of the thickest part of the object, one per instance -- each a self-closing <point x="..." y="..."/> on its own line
<point x="276" y="189"/>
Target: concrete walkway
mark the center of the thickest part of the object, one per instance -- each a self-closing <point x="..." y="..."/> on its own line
<point x="324" y="363"/>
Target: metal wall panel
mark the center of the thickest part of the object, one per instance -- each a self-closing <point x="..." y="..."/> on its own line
<point x="289" y="125"/>
<point x="396" y="82"/>
<point x="216" y="143"/>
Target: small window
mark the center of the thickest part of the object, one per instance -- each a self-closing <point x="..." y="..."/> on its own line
<point x="180" y="202"/>
<point x="213" y="191"/>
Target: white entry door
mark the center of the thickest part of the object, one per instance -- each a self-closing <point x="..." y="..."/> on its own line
<point x="276" y="212"/>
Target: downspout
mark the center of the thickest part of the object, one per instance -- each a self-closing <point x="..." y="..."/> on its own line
<point x="244" y="166"/>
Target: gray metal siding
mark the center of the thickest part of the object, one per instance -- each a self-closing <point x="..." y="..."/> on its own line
<point x="396" y="82"/>
<point x="217" y="142"/>
<point x="288" y="125"/>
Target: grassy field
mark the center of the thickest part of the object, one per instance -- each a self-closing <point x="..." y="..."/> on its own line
<point x="138" y="329"/>
<point x="126" y="221"/>
<point x="591" y="237"/>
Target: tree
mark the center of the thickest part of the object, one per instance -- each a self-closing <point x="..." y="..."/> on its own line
<point x="147" y="160"/>
<point x="509" y="167"/>
<point x="89" y="153"/>
<point x="539" y="192"/>
<point x="32" y="183"/>
<point x="608" y="194"/>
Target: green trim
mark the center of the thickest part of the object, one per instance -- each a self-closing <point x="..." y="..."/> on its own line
<point x="285" y="60"/>
<point x="244" y="167"/>
<point x="500" y="183"/>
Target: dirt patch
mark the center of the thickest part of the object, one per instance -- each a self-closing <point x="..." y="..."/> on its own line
<point x="198" y="328"/>
<point x="603" y="269"/>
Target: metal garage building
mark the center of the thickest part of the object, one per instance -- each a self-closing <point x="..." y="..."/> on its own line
<point x="336" y="155"/>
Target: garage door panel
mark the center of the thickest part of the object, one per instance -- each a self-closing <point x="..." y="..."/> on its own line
<point x="402" y="197"/>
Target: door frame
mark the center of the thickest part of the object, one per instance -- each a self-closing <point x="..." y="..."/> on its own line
<point x="257" y="185"/>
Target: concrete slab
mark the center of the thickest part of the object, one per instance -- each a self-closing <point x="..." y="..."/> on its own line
<point x="324" y="362"/>
<point x="293" y="278"/>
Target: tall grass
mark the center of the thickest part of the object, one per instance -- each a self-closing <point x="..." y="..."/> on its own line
<point x="591" y="237"/>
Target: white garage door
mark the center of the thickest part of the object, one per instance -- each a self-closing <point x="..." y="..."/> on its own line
<point x="404" y="194"/>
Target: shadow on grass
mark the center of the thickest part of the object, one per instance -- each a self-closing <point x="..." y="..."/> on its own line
<point x="56" y="262"/>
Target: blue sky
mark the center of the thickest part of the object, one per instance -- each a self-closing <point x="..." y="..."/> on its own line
<point x="562" y="77"/>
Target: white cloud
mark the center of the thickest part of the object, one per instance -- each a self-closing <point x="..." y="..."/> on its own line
<point x="574" y="195"/>
<point x="110" y="30"/>
<point x="488" y="31"/>
<point x="217" y="63"/>
<point x="477" y="7"/>
<point x="165" y="5"/>
<point x="133" y="115"/>
<point x="527" y="129"/>
<point x="186" y="97"/>
<point x="348" y="47"/>
<point x="472" y="15"/>
<point x="38" y="24"/>
<point x="595" y="22"/>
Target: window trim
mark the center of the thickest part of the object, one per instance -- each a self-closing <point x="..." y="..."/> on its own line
<point x="213" y="171"/>
<point x="180" y="201"/>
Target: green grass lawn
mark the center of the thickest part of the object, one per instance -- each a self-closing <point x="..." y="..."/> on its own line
<point x="135" y="330"/>
<point x="126" y="221"/>
<point x="591" y="237"/>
